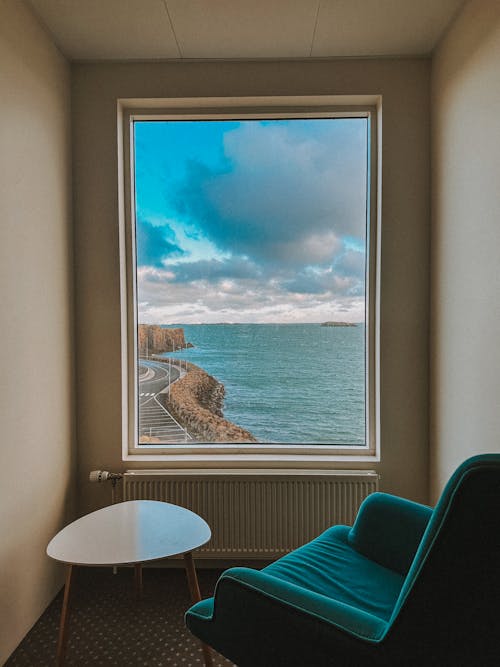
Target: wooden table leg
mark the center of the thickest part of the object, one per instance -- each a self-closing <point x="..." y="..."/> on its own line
<point x="63" y="625"/>
<point x="138" y="580"/>
<point x="194" y="589"/>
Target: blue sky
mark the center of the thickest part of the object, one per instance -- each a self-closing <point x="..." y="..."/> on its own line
<point x="250" y="221"/>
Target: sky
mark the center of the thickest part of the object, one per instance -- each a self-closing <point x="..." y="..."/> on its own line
<point x="251" y="221"/>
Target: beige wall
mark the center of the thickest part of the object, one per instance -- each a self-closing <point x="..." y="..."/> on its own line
<point x="36" y="396"/>
<point x="404" y="85"/>
<point x="465" y="320"/>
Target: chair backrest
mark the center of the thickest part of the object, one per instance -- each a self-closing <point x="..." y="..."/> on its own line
<point x="450" y="599"/>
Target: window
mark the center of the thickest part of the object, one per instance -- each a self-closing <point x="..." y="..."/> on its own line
<point x="249" y="281"/>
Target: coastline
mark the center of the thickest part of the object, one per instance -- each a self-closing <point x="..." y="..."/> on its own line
<point x="271" y="389"/>
<point x="196" y="401"/>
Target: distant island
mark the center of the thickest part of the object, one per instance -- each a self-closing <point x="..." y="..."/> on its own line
<point x="338" y="324"/>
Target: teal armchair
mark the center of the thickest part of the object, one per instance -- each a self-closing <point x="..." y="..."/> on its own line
<point x="406" y="585"/>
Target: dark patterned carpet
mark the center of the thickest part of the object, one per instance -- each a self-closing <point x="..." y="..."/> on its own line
<point x="108" y="626"/>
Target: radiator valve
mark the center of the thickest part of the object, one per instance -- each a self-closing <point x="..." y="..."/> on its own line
<point x="104" y="475"/>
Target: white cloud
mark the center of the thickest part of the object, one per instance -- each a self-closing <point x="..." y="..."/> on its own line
<point x="276" y="236"/>
<point x="244" y="301"/>
<point x="283" y="190"/>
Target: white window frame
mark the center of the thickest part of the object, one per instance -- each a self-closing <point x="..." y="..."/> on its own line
<point x="244" y="455"/>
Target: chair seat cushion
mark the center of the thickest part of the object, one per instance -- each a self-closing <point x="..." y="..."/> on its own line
<point x="329" y="566"/>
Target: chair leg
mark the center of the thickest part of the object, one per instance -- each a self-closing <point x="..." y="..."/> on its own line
<point x="63" y="625"/>
<point x="194" y="589"/>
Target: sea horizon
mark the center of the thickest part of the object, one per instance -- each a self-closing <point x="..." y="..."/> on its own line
<point x="192" y="324"/>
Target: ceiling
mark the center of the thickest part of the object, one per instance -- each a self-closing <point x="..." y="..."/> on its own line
<point x="165" y="29"/>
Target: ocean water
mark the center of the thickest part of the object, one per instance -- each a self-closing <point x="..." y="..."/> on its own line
<point x="286" y="383"/>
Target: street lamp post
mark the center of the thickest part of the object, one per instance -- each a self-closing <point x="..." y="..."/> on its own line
<point x="169" y="375"/>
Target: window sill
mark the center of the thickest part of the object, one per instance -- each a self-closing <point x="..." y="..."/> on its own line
<point x="245" y="461"/>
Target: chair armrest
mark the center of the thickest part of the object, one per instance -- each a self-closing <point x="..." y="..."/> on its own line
<point x="348" y="619"/>
<point x="258" y="619"/>
<point x="389" y="529"/>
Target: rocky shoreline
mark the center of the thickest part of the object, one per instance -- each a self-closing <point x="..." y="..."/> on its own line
<point x="196" y="401"/>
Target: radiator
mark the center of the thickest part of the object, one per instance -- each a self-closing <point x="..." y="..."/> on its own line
<point x="257" y="514"/>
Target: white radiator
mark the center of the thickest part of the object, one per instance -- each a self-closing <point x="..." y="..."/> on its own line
<point x="257" y="514"/>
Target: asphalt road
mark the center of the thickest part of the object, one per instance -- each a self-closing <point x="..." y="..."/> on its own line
<point x="156" y="379"/>
<point x="155" y="421"/>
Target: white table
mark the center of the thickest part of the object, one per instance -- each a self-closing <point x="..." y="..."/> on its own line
<point x="129" y="533"/>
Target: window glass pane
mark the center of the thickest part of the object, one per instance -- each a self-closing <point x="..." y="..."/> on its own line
<point x="251" y="244"/>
